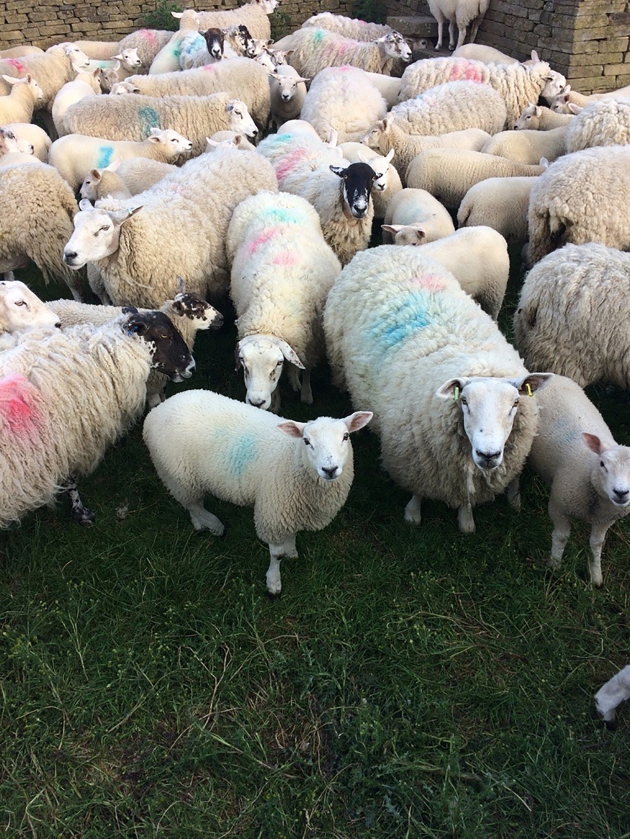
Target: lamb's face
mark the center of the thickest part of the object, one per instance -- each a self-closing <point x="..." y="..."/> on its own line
<point x="130" y="59"/>
<point x="240" y="120"/>
<point x="262" y="360"/>
<point x="172" y="143"/>
<point x="21" y="310"/>
<point x="96" y="235"/>
<point x="554" y="84"/>
<point x="611" y="471"/>
<point x="395" y="46"/>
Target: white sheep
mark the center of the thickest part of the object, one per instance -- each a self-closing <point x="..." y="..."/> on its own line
<point x="577" y="200"/>
<point x="177" y="227"/>
<point x="85" y="84"/>
<point x="282" y="270"/>
<point x="588" y="473"/>
<point x="104" y="183"/>
<point x="454" y="106"/>
<point x="519" y="85"/>
<point x="387" y="86"/>
<point x="316" y="49"/>
<point x="100" y="50"/>
<point x="414" y="216"/>
<point x="611" y="694"/>
<point x="566" y="98"/>
<point x="254" y="15"/>
<point x="448" y="174"/>
<point x="21" y="309"/>
<point x="602" y="123"/>
<point x="134" y="117"/>
<point x="78" y="390"/>
<point x="21" y="50"/>
<point x="450" y="395"/>
<point x="295" y="475"/>
<point x="52" y="69"/>
<point x="359" y="30"/>
<point x="287" y="91"/>
<point x="148" y="42"/>
<point x="142" y="173"/>
<point x="26" y="132"/>
<point x="384" y="137"/>
<point x="500" y="203"/>
<point x="126" y="64"/>
<point x="76" y="154"/>
<point x="528" y="146"/>
<point x="167" y="59"/>
<point x="539" y="118"/>
<point x="19" y="105"/>
<point x="480" y="52"/>
<point x="239" y="141"/>
<point x="387" y="182"/>
<point x="17" y="158"/>
<point x="464" y="13"/>
<point x="10" y="144"/>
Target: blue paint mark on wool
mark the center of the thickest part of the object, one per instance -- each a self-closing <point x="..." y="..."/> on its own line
<point x="148" y="119"/>
<point x="284" y="216"/>
<point x="318" y="36"/>
<point x="105" y="154"/>
<point x="404" y="317"/>
<point x="240" y="452"/>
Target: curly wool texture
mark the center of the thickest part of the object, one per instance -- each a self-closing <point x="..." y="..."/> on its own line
<point x="251" y="15"/>
<point x="342" y="99"/>
<point x="40" y="220"/>
<point x="65" y="397"/>
<point x="572" y="315"/>
<point x="133" y="117"/>
<point x="448" y="174"/>
<point x="528" y="146"/>
<point x="181" y="229"/>
<point x="148" y="42"/>
<point x="398" y="326"/>
<point x="317" y="49"/>
<point x="577" y="200"/>
<point x="359" y="30"/>
<point x="603" y="123"/>
<point x="282" y="271"/>
<point x="517" y="84"/>
<point x="454" y="106"/>
<point x="51" y="70"/>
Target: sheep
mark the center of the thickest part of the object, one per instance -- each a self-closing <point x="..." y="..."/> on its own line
<point x="26" y="132"/>
<point x="500" y="203"/>
<point x="77" y="391"/>
<point x="148" y="42"/>
<point x="126" y="64"/>
<point x="539" y="118"/>
<point x="99" y="50"/>
<point x="612" y="694"/>
<point x="454" y="106"/>
<point x="316" y="49"/>
<point x="287" y="91"/>
<point x="21" y="309"/>
<point x="201" y="442"/>
<point x="187" y="312"/>
<point x="487" y="55"/>
<point x="76" y="154"/>
<point x="236" y="139"/>
<point x="442" y="381"/>
<point x="464" y="13"/>
<point x="85" y="84"/>
<point x="39" y="222"/>
<point x="359" y="30"/>
<point x="414" y="216"/>
<point x="603" y="123"/>
<point x="528" y="146"/>
<point x="17" y="158"/>
<point x="103" y="183"/>
<point x="134" y="117"/>
<point x="255" y="16"/>
<point x="242" y="78"/>
<point x="197" y="49"/>
<point x="19" y="105"/>
<point x="562" y="103"/>
<point x="517" y="84"/>
<point x="387" y="182"/>
<point x="384" y="136"/>
<point x="282" y="270"/>
<point x="52" y="70"/>
<point x="10" y="144"/>
<point x="142" y="173"/>
<point x="387" y="86"/>
<point x="19" y="51"/>
<point x="577" y="200"/>
<point x="175" y="228"/>
<point x="448" y="174"/>
<point x="167" y="59"/>
<point x="588" y="473"/>
<point x="341" y="99"/>
<point x="565" y="300"/>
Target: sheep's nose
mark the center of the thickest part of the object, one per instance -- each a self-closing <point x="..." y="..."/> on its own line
<point x="330" y="471"/>
<point x="487" y="459"/>
<point x="69" y="256"/>
<point x="256" y="403"/>
<point x="621" y="495"/>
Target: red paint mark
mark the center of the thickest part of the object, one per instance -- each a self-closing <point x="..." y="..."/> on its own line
<point x="428" y="282"/>
<point x="466" y="71"/>
<point x="17" y="64"/>
<point x="209" y="66"/>
<point x="285" y="258"/>
<point x="148" y="35"/>
<point x="18" y="406"/>
<point x="261" y="240"/>
<point x="289" y="163"/>
<point x="345" y="68"/>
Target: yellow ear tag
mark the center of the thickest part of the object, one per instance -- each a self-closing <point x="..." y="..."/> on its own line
<point x="456" y="394"/>
<point x="528" y="388"/>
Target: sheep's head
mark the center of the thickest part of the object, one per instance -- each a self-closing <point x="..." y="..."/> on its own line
<point x="530" y="117"/>
<point x="96" y="234"/>
<point x="193" y="307"/>
<point x="21" y="310"/>
<point x="262" y="358"/>
<point x="215" y="42"/>
<point x="377" y="137"/>
<point x="171" y="142"/>
<point x="356" y="184"/>
<point x="239" y="118"/>
<point x="611" y="470"/>
<point x="394" y="46"/>
<point x="554" y="83"/>
<point x="170" y="355"/>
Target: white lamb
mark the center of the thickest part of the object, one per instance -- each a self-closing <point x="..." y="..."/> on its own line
<point x="148" y="42"/>
<point x="316" y="49"/>
<point x="85" y="84"/>
<point x="21" y="309"/>
<point x="287" y="91"/>
<point x="528" y="146"/>
<point x="612" y="694"/>
<point x="26" y="132"/>
<point x="254" y="15"/>
<point x="19" y="105"/>
<point x="387" y="182"/>
<point x="415" y="217"/>
<point x="539" y="118"/>
<point x="464" y="13"/>
<point x="500" y="203"/>
<point x="282" y="271"/>
<point x="15" y="158"/>
<point x="566" y="98"/>
<point x="603" y="123"/>
<point x="359" y="30"/>
<point x="76" y="154"/>
<point x="295" y="475"/>
<point x="589" y="474"/>
<point x="488" y="55"/>
<point x="52" y="69"/>
<point x="104" y="183"/>
<point x="445" y="386"/>
<point x="167" y="59"/>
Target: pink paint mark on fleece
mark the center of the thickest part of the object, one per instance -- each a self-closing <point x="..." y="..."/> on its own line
<point x="289" y="163"/>
<point x="260" y="240"/>
<point x="209" y="66"/>
<point x="148" y="35"/>
<point x="285" y="258"/>
<point x="345" y="68"/>
<point x="428" y="282"/>
<point x="19" y="66"/>
<point x="466" y="71"/>
<point x="18" y="407"/>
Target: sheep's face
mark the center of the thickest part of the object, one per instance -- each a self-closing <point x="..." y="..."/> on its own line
<point x="239" y="118"/>
<point x="130" y="59"/>
<point x="489" y="405"/>
<point x="96" y="235"/>
<point x="407" y="234"/>
<point x="529" y="118"/>
<point x="262" y="359"/>
<point x="195" y="308"/>
<point x="21" y="310"/>
<point x="171" y="143"/>
<point x="170" y="355"/>
<point x="326" y="442"/>
<point x="394" y="45"/>
<point x="215" y="42"/>
<point x="286" y="86"/>
<point x="554" y="84"/>
<point x="357" y="181"/>
<point x="611" y="470"/>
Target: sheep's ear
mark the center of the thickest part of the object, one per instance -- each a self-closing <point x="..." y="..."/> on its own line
<point x="154" y="138"/>
<point x="237" y="358"/>
<point x="212" y="144"/>
<point x="119" y="57"/>
<point x="529" y="384"/>
<point x="131" y="213"/>
<point x="300" y="79"/>
<point x="96" y="74"/>
<point x="420" y="234"/>
<point x="538" y="111"/>
<point x="535" y="56"/>
<point x="575" y="109"/>
<point x="389" y="120"/>
<point x="95" y="174"/>
<point x="29" y="78"/>
<point x="113" y="166"/>
<point x="390" y="155"/>
<point x="292" y="428"/>
<point x="544" y="163"/>
<point x="357" y="420"/>
<point x="85" y="206"/>
<point x="594" y="443"/>
<point x="129" y="310"/>
<point x="135" y="325"/>
<point x="237" y="139"/>
<point x="288" y="352"/>
<point x="392" y="228"/>
<point x="181" y="285"/>
<point x="451" y="389"/>
<point x="177" y="14"/>
<point x="10" y="79"/>
<point x="338" y="170"/>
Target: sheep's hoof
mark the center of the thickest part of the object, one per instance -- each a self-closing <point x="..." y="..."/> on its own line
<point x="273" y="596"/>
<point x="82" y="516"/>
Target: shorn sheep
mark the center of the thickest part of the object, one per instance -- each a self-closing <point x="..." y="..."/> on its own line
<point x="577" y="201"/>
<point x="65" y="397"/>
<point x="316" y="49"/>
<point x="444" y="384"/>
<point x="296" y="476"/>
<point x="464" y="13"/>
<point x="500" y="203"/>
<point x="589" y="474"/>
<point x="282" y="271"/>
<point x="177" y="227"/>
<point x="571" y="315"/>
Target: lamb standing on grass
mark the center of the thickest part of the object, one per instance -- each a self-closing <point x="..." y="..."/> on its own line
<point x="612" y="694"/>
<point x="444" y="384"/>
<point x="589" y="474"/>
<point x="295" y="475"/>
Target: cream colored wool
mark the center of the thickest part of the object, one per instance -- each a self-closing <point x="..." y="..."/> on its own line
<point x="500" y="203"/>
<point x="20" y="103"/>
<point x="454" y="106"/>
<point x="539" y="118"/>
<point x="51" y="69"/>
<point x="252" y="15"/>
<point x="33" y="134"/>
<point x="138" y="175"/>
<point x="316" y="49"/>
<point x="148" y="42"/>
<point x="528" y="146"/>
<point x="359" y="30"/>
<point x="602" y="123"/>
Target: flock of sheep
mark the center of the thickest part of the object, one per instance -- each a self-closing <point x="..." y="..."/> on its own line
<point x="156" y="133"/>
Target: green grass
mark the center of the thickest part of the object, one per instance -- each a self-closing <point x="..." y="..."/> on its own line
<point x="409" y="682"/>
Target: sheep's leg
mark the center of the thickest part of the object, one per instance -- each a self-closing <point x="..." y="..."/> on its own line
<point x="413" y="513"/>
<point x="78" y="512"/>
<point x="612" y="694"/>
<point x="465" y="518"/>
<point x="513" y="493"/>
<point x="451" y="35"/>
<point x="277" y="552"/>
<point x="306" y="394"/>
<point x="202" y="519"/>
<point x="440" y="22"/>
<point x="293" y="374"/>
<point x="598" y="534"/>
<point x="475" y="28"/>
<point x="559" y="537"/>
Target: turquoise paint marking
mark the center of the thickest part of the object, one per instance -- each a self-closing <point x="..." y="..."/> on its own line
<point x="404" y="317"/>
<point x="284" y="216"/>
<point x="318" y="36"/>
<point x="148" y="119"/>
<point x="240" y="453"/>
<point x="105" y="154"/>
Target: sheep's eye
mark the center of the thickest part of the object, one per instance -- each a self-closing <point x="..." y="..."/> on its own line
<point x="306" y="441"/>
<point x="20" y="303"/>
<point x="345" y="437"/>
<point x="601" y="463"/>
<point x="515" y="405"/>
<point x="463" y="400"/>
